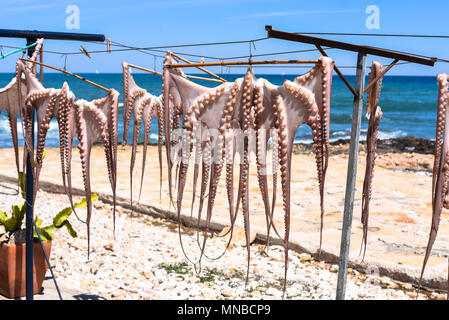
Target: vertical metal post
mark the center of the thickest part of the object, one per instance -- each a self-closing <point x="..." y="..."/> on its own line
<point x="351" y="177"/>
<point x="29" y="210"/>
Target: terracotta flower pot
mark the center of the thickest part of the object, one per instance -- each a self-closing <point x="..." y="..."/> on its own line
<point x="12" y="268"/>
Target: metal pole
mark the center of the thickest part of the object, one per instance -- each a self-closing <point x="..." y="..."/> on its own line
<point x="351" y="177"/>
<point x="29" y="209"/>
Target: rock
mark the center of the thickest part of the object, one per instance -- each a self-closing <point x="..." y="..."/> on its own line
<point x="276" y="256"/>
<point x="119" y="293"/>
<point x="393" y="286"/>
<point x="208" y="294"/>
<point x="256" y="294"/>
<point x="226" y="292"/>
<point x="441" y="296"/>
<point x="305" y="257"/>
<point x="109" y="247"/>
<point x="334" y="268"/>
<point x="273" y="292"/>
<point x="407" y="286"/>
<point x="85" y="283"/>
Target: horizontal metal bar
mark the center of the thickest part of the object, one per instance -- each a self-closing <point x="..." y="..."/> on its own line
<point x="144" y="69"/>
<point x="160" y="74"/>
<point x="67" y="72"/>
<point x="348" y="46"/>
<point x="239" y="63"/>
<point x="203" y="78"/>
<point x="200" y="68"/>
<point x="34" y="34"/>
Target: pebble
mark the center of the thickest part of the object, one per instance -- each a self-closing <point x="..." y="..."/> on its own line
<point x="273" y="292"/>
<point x="226" y="292"/>
<point x="145" y="261"/>
<point x="407" y="286"/>
<point x="305" y="257"/>
<point x="393" y="286"/>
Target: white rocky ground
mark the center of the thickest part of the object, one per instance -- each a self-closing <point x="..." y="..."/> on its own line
<point x="145" y="261"/>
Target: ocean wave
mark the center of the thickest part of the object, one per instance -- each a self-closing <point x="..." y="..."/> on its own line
<point x="346" y="134"/>
<point x="4" y="127"/>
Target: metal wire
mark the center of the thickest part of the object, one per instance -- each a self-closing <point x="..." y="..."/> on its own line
<point x="48" y="261"/>
<point x="375" y="34"/>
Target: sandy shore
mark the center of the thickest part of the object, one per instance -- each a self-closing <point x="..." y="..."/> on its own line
<point x="400" y="206"/>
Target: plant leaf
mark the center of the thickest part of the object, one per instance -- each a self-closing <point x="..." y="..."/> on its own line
<point x="61" y="217"/>
<point x="18" y="213"/>
<point x="22" y="181"/>
<point x="11" y="225"/>
<point x="70" y="229"/>
<point x="3" y="217"/>
<point x="83" y="202"/>
<point x="45" y="235"/>
<point x="38" y="222"/>
<point x="46" y="232"/>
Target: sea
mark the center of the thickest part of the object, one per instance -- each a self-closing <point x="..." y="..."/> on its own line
<point x="408" y="103"/>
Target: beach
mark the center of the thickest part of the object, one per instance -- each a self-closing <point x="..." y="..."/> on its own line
<point x="400" y="218"/>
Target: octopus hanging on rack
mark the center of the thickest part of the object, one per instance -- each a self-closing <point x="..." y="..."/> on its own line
<point x="374" y="114"/>
<point x="9" y="101"/>
<point x="200" y="107"/>
<point x="146" y="107"/>
<point x="254" y="107"/>
<point x="89" y="122"/>
<point x="440" y="174"/>
<point x="86" y="121"/>
<point x="284" y="109"/>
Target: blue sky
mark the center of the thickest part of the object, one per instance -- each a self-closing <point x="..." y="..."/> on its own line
<point x="157" y="23"/>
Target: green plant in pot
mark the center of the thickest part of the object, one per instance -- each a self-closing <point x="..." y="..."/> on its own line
<point x="12" y="245"/>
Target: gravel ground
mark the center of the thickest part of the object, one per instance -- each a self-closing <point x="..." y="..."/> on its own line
<point x="145" y="261"/>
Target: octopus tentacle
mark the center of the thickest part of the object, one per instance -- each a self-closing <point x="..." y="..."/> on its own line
<point x="205" y="171"/>
<point x="261" y="138"/>
<point x="285" y="165"/>
<point x="160" y="118"/>
<point x="138" y="114"/>
<point x="315" y="122"/>
<point x="43" y="126"/>
<point x="134" y="94"/>
<point x="247" y="103"/>
<point x="71" y="127"/>
<point x="62" y="118"/>
<point x="225" y="126"/>
<point x="196" y="165"/>
<point x="189" y="121"/>
<point x="167" y="121"/>
<point x="125" y="102"/>
<point x="276" y="156"/>
<point x="11" y="98"/>
<point x="374" y="114"/>
<point x="440" y="176"/>
<point x="147" y="127"/>
<point x="371" y="142"/>
<point x="275" y="168"/>
<point x="84" y="151"/>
